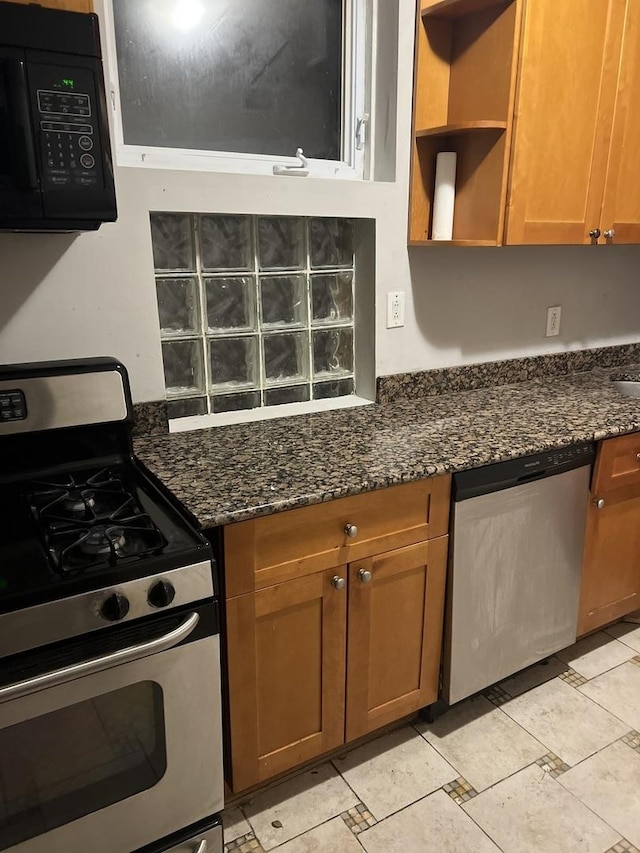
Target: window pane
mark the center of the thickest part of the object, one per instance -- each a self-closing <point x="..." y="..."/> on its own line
<point x="281" y="242"/>
<point x="225" y="243"/>
<point x="338" y="388"/>
<point x="177" y="305"/>
<point x="230" y="304"/>
<point x="284" y="300"/>
<point x="250" y="76"/>
<point x="289" y="394"/>
<point x="331" y="242"/>
<point x="183" y="367"/>
<point x="333" y="351"/>
<point x="285" y="357"/>
<point x="49" y="778"/>
<point x="235" y="402"/>
<point x="332" y="298"/>
<point x="234" y="362"/>
<point x="172" y="239"/>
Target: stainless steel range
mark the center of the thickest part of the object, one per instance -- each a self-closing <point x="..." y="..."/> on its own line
<point x="110" y="714"/>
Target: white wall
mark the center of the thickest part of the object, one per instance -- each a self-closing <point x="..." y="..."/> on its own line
<point x="93" y="294"/>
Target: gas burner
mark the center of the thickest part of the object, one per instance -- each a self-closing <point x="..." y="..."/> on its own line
<point x="102" y="540"/>
<point x="79" y="503"/>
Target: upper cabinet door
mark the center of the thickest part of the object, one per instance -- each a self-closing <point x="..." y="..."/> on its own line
<point x="568" y="74"/>
<point x="621" y="207"/>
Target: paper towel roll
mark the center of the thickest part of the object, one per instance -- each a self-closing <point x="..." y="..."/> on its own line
<point x="444" y="196"/>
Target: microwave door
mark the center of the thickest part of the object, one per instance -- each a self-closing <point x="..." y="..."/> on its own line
<point x="20" y="195"/>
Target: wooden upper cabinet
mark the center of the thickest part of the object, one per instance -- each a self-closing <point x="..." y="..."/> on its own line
<point x="69" y="5"/>
<point x="539" y="99"/>
<point x="566" y="90"/>
<point x="621" y="205"/>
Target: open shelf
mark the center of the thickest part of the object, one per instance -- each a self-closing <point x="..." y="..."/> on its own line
<point x="416" y="243"/>
<point x="461" y="127"/>
<point x="464" y="91"/>
<point x="456" y="8"/>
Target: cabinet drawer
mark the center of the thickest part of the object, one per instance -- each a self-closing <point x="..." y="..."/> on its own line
<point x="618" y="464"/>
<point x="265" y="551"/>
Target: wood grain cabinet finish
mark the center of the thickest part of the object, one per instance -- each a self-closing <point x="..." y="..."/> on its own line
<point x="396" y="602"/>
<point x="325" y="656"/>
<point x="565" y="169"/>
<point x="611" y="570"/>
<point x="69" y="5"/>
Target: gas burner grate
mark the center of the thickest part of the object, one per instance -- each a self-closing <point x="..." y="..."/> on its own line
<point x="91" y="523"/>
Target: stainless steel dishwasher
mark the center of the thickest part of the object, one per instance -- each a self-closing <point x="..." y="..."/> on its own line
<point x="515" y="564"/>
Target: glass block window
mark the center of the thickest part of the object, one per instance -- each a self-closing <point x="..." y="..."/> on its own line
<point x="254" y="310"/>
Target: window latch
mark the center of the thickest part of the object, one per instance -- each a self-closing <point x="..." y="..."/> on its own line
<point x="361" y="131"/>
<point x="300" y="171"/>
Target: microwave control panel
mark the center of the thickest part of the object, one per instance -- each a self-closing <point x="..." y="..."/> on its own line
<point x="68" y="127"/>
<point x="13" y="406"/>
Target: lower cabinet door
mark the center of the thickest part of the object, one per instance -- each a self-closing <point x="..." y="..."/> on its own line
<point x="396" y="607"/>
<point x="286" y="648"/>
<point x="610" y="585"/>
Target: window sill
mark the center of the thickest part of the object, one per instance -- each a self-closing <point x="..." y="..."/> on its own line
<point x="266" y="414"/>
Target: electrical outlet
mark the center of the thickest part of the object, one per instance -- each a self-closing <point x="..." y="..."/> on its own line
<point x="553" y="321"/>
<point x="395" y="309"/>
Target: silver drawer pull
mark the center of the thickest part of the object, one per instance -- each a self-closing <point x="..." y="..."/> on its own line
<point x="90" y="667"/>
<point x="364" y="575"/>
<point x="338" y="582"/>
<point x="351" y="530"/>
<point x="202" y="847"/>
<point x="598" y="503"/>
<point x="638" y="456"/>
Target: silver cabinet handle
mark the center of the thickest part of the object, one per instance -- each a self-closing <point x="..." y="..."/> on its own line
<point x="338" y="582"/>
<point x="599" y="503"/>
<point x="594" y="234"/>
<point x="351" y="530"/>
<point x="638" y="456"/>
<point x="90" y="667"/>
<point x="202" y="847"/>
<point x="610" y="233"/>
<point x="364" y="575"/>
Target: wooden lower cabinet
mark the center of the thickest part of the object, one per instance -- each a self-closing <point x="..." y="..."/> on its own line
<point x="314" y="663"/>
<point x="286" y="657"/>
<point x="395" y="629"/>
<point x="611" y="569"/>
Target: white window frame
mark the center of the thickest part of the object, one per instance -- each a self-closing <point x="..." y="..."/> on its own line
<point x="356" y="108"/>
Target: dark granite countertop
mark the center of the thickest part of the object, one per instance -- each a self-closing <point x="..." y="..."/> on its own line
<point x="233" y="473"/>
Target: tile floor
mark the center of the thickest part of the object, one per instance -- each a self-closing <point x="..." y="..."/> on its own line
<point x="547" y="761"/>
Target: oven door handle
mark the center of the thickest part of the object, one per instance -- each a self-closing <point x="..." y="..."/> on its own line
<point x="90" y="667"/>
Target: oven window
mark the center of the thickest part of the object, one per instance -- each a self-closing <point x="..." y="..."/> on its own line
<point x="59" y="767"/>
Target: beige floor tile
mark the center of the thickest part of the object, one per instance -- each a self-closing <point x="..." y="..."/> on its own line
<point x="531" y="813"/>
<point x="432" y="825"/>
<point x="564" y="721"/>
<point x="298" y="804"/>
<point x="331" y="837"/>
<point x="533" y="676"/>
<point x="609" y="784"/>
<point x="394" y="771"/>
<point x="626" y="632"/>
<point x="481" y="743"/>
<point x="619" y="692"/>
<point x="234" y="824"/>
<point x="595" y="654"/>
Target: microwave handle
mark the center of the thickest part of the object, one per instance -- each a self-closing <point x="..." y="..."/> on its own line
<point x="18" y="91"/>
<point x="90" y="667"/>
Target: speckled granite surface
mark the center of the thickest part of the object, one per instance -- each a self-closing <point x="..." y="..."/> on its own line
<point x="628" y="375"/>
<point x="238" y="472"/>
<point x="430" y="383"/>
<point x="150" y="418"/>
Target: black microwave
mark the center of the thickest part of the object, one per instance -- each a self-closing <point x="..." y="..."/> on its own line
<point x="56" y="172"/>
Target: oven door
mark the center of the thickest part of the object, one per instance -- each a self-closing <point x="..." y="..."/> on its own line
<point x="117" y="745"/>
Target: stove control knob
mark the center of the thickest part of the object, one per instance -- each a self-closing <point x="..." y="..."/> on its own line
<point x="161" y="594"/>
<point x="115" y="608"/>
